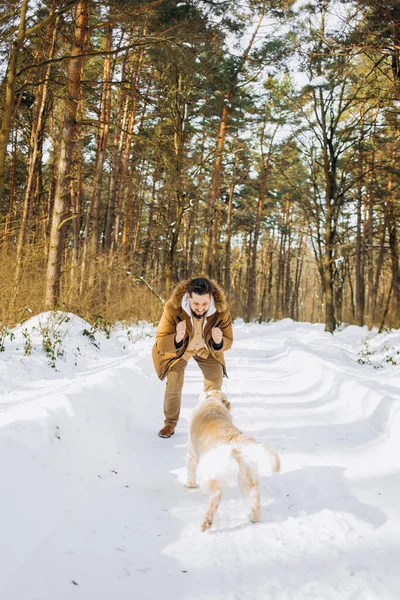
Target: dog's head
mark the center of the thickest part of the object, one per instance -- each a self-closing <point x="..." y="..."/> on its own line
<point x="215" y="395"/>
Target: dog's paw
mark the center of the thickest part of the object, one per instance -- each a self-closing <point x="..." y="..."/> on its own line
<point x="191" y="485"/>
<point x="254" y="516"/>
<point x="206" y="524"/>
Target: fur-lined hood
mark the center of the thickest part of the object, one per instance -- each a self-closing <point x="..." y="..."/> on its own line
<point x="165" y="353"/>
<point x="181" y="290"/>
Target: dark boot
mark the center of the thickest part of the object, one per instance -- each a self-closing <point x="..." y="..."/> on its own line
<point x="166" y="431"/>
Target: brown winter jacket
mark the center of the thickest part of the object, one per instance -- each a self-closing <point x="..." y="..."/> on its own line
<point x="165" y="353"/>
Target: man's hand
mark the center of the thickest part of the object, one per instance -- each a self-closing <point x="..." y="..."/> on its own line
<point x="180" y="331"/>
<point x="216" y="334"/>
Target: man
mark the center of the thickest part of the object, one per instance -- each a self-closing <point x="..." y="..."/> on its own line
<point x="196" y="323"/>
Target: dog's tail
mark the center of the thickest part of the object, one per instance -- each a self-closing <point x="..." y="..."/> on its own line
<point x="274" y="456"/>
<point x="260" y="457"/>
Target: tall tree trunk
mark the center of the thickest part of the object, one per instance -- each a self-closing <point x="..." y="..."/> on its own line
<point x="212" y="209"/>
<point x="11" y="194"/>
<point x="265" y="167"/>
<point x="76" y="193"/>
<point x="268" y="251"/>
<point x="121" y="172"/>
<point x="370" y="254"/>
<point x="173" y="244"/>
<point x="329" y="162"/>
<point x="394" y="14"/>
<point x="394" y="254"/>
<point x="150" y="225"/>
<point x="280" y="272"/>
<point x="288" y="271"/>
<point x="379" y="265"/>
<point x="393" y="215"/>
<point x="211" y="238"/>
<point x="102" y="143"/>
<point x="9" y="91"/>
<point x="360" y="246"/>
<point x="294" y="306"/>
<point x="61" y="201"/>
<point x="35" y="148"/>
<point x="130" y="171"/>
<point x="138" y="219"/>
<point x="330" y="321"/>
<point x="227" y="275"/>
<point x="115" y="176"/>
<point x="252" y="303"/>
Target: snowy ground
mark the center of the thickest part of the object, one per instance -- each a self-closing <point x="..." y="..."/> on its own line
<point x="92" y="503"/>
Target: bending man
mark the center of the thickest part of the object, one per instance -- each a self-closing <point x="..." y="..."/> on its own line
<point x="196" y="323"/>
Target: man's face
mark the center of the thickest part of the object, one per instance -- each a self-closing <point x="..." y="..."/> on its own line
<point x="199" y="305"/>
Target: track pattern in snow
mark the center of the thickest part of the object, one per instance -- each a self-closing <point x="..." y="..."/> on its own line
<point x="93" y="504"/>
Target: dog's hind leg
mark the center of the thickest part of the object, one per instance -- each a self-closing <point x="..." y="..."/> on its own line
<point x="254" y="495"/>
<point x="191" y="469"/>
<point x="248" y="482"/>
<point x="215" y="497"/>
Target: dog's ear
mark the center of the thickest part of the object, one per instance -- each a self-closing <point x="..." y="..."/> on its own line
<point x="223" y="398"/>
<point x="225" y="402"/>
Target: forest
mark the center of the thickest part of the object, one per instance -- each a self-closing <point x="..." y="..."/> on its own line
<point x="254" y="142"/>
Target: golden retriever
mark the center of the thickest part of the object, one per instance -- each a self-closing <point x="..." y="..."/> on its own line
<point x="220" y="454"/>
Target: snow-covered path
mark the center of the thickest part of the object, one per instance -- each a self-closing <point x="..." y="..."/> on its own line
<point x="92" y="503"/>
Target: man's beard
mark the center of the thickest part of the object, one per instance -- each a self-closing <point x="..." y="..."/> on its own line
<point x="196" y="316"/>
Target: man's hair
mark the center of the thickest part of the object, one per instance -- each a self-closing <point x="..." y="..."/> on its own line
<point x="200" y="286"/>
